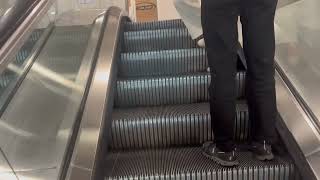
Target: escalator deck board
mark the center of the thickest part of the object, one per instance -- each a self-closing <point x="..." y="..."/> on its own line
<point x="189" y="163"/>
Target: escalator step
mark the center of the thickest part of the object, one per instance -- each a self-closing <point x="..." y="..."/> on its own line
<point x="154" y="91"/>
<point x="161" y="39"/>
<point x="189" y="163"/>
<point x="167" y="126"/>
<point x="167" y="24"/>
<point x="167" y="62"/>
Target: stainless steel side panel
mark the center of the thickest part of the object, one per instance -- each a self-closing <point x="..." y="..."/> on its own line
<point x="299" y="124"/>
<point x="85" y="153"/>
<point x="36" y="125"/>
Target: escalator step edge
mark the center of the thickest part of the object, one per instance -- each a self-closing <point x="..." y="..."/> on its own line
<point x="189" y="163"/>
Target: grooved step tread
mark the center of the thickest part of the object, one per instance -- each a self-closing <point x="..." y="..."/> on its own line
<point x="140" y="26"/>
<point x="167" y="126"/>
<point x="189" y="163"/>
<point x="159" y="39"/>
<point x="164" y="62"/>
<point x="166" y="90"/>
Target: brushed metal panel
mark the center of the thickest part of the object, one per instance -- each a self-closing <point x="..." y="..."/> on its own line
<point x="36" y="124"/>
<point x="299" y="124"/>
<point x="98" y="99"/>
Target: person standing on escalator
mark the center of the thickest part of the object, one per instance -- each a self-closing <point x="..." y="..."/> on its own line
<point x="219" y="22"/>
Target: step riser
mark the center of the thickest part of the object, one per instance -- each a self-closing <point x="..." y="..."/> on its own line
<point x="142" y="26"/>
<point x="169" y="62"/>
<point x="169" y="128"/>
<point x="166" y="91"/>
<point x="139" y="41"/>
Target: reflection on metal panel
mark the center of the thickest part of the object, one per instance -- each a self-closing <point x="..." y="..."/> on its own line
<point x="37" y="123"/>
<point x="298" y="44"/>
<point x="16" y="39"/>
<point x="42" y="174"/>
<point x="78" y="17"/>
<point x="299" y="124"/>
<point x="4" y="166"/>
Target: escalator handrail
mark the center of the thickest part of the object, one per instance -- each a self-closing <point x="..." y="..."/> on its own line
<point x="89" y="147"/>
<point x="13" y="17"/>
<point x="17" y="25"/>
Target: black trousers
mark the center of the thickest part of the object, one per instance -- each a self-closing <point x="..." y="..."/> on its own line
<point x="219" y="20"/>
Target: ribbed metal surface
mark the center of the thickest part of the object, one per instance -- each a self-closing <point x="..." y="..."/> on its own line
<point x="189" y="163"/>
<point x="182" y="89"/>
<point x="22" y="55"/>
<point x="167" y="62"/>
<point x="166" y="126"/>
<point x="160" y="39"/>
<point x="7" y="76"/>
<point x="35" y="35"/>
<point x="27" y="47"/>
<point x="5" y="79"/>
<point x="142" y="26"/>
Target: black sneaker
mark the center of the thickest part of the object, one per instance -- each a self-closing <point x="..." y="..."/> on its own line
<point x="211" y="151"/>
<point x="262" y="151"/>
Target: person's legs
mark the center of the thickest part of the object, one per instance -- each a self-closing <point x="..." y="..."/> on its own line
<point x="257" y="17"/>
<point x="219" y="21"/>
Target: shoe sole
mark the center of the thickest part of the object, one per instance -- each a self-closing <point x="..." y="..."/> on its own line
<point x="220" y="162"/>
<point x="264" y="158"/>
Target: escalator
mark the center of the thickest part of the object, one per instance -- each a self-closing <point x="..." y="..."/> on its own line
<point x="115" y="99"/>
<point x="161" y="112"/>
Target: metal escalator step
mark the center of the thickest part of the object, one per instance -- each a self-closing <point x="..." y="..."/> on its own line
<point x="141" y="26"/>
<point x="154" y="91"/>
<point x="161" y="39"/>
<point x="167" y="126"/>
<point x="189" y="163"/>
<point x="166" y="62"/>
